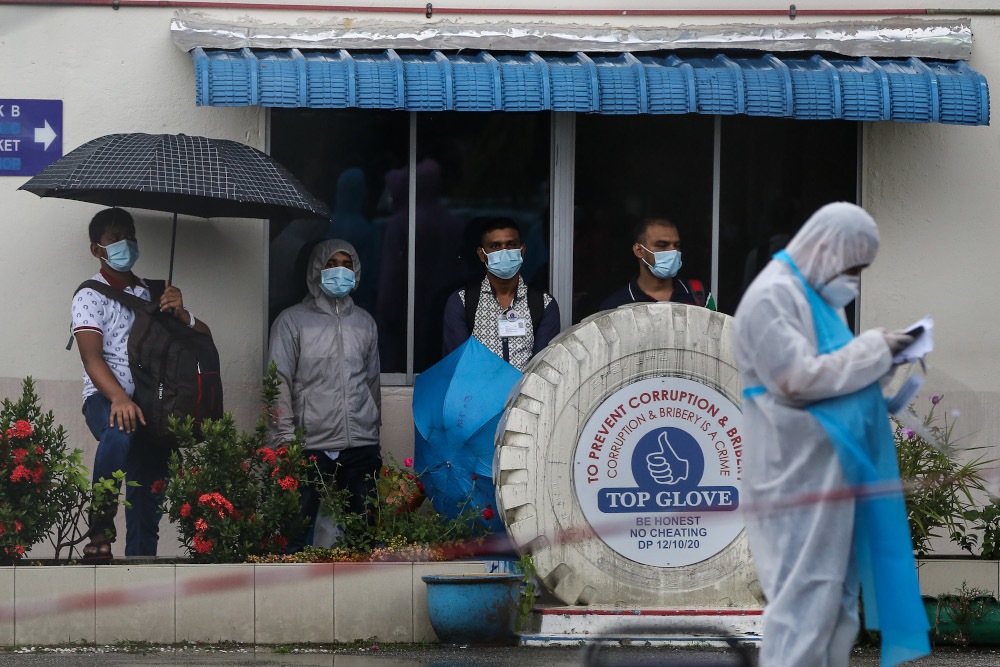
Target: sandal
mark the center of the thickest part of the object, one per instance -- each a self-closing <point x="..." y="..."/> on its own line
<point x="97" y="552"/>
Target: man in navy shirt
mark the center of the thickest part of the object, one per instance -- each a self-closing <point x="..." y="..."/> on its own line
<point x="513" y="320"/>
<point x="657" y="249"/>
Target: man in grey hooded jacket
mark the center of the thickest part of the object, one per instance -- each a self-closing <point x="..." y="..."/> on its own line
<point x="326" y="349"/>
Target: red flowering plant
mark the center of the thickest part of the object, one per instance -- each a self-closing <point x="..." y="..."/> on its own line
<point x="399" y="488"/>
<point x="44" y="488"/>
<point x="398" y="525"/>
<point x="233" y="496"/>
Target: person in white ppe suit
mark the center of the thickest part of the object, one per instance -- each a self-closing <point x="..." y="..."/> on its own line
<point x="802" y="521"/>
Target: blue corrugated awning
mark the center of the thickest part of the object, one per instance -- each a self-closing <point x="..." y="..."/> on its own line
<point x="860" y="89"/>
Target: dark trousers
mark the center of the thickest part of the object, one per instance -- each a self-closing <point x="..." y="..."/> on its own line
<point x="142" y="463"/>
<point x="354" y="470"/>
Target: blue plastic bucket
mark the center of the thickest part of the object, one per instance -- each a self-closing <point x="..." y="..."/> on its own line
<point x="474" y="608"/>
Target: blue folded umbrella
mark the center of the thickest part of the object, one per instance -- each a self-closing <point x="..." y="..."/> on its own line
<point x="457" y="404"/>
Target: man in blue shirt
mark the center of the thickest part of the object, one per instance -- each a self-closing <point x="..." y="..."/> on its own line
<point x="511" y="319"/>
<point x="657" y="247"/>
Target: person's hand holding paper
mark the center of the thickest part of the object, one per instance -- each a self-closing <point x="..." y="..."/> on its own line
<point x="897" y="340"/>
<point x="921" y="334"/>
<point x="923" y="341"/>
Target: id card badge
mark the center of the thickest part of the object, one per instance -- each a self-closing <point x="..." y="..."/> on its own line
<point x="510" y="325"/>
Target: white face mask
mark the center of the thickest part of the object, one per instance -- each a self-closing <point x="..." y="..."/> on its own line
<point x="122" y="255"/>
<point x="504" y="263"/>
<point x="840" y="290"/>
<point x="666" y="263"/>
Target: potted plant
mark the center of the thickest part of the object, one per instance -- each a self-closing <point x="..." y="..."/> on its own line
<point x="481" y="608"/>
<point x="475" y="608"/>
<point x="399" y="489"/>
<point x="969" y="615"/>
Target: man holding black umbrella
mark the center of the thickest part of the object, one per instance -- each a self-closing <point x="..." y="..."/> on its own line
<point x="101" y="326"/>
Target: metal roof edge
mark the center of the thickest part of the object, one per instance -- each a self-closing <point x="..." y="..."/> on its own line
<point x="895" y="37"/>
<point x="904" y="90"/>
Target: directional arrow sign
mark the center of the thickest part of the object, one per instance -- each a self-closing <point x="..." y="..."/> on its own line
<point x="45" y="135"/>
<point x="30" y="135"/>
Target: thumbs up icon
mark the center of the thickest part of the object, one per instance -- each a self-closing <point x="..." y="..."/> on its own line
<point x="664" y="464"/>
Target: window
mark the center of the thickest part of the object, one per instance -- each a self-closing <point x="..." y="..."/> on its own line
<point x="346" y="158"/>
<point x="468" y="165"/>
<point x="775" y="174"/>
<point x="753" y="180"/>
<point x="471" y="165"/>
<point x="629" y="168"/>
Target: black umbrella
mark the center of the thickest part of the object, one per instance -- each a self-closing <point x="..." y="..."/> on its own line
<point x="177" y="173"/>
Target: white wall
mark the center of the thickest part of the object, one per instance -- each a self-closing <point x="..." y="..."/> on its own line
<point x="117" y="71"/>
<point x="933" y="190"/>
<point x="929" y="186"/>
<point x="611" y="12"/>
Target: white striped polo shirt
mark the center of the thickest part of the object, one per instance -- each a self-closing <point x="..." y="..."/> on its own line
<point x="95" y="312"/>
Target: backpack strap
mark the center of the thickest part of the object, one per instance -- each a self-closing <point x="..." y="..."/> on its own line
<point x="472" y="290"/>
<point x="536" y="307"/>
<point x="124" y="298"/>
<point x="698" y="291"/>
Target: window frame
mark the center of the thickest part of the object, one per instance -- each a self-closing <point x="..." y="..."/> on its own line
<point x="562" y="172"/>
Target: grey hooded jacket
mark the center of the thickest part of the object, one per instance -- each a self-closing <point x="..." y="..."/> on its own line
<point x="327" y="355"/>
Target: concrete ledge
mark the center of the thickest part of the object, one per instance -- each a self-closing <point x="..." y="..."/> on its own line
<point x="939" y="576"/>
<point x="268" y="604"/>
<point x="54" y="605"/>
<point x="296" y="611"/>
<point x="314" y="603"/>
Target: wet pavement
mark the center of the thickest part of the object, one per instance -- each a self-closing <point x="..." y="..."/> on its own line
<point x="435" y="656"/>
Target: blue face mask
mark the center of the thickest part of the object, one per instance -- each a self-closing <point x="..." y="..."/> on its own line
<point x="504" y="263"/>
<point x="122" y="255"/>
<point x="666" y="264"/>
<point x="336" y="282"/>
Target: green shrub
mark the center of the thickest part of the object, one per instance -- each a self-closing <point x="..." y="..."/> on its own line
<point x="398" y="522"/>
<point x="44" y="488"/>
<point x="962" y="608"/>
<point x="231" y="495"/>
<point x="938" y="489"/>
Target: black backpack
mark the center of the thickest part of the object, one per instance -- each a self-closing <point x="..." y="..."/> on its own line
<point x="536" y="305"/>
<point x="175" y="368"/>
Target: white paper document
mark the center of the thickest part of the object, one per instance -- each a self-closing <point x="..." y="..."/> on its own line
<point x="921" y="345"/>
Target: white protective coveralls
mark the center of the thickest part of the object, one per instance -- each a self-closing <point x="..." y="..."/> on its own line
<point x="804" y="550"/>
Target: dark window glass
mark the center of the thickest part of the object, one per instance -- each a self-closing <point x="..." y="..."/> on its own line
<point x="470" y="166"/>
<point x="355" y="160"/>
<point x="629" y="168"/>
<point x="775" y="173"/>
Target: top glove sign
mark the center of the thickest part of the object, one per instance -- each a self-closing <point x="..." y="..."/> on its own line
<point x="658" y="470"/>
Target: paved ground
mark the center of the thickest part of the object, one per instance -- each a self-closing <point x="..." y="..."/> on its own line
<point x="417" y="656"/>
